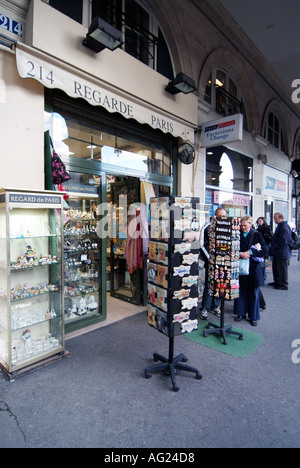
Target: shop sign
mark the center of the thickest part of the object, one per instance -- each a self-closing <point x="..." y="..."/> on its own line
<point x="77" y="188"/>
<point x="53" y="74"/>
<point x="50" y="200"/>
<point x="236" y="199"/>
<point x="222" y="131"/>
<point x="276" y="183"/>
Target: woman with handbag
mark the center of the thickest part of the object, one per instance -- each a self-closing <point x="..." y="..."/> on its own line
<point x="253" y="249"/>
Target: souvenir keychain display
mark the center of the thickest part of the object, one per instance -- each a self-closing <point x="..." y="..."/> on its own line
<point x="224" y="245"/>
<point x="173" y="271"/>
<point x="223" y="270"/>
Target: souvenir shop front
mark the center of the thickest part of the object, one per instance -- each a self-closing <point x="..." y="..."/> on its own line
<point x="229" y="181"/>
<point x="117" y="129"/>
<point x="116" y="166"/>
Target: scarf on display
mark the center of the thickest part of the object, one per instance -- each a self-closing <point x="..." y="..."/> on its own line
<point x="137" y="238"/>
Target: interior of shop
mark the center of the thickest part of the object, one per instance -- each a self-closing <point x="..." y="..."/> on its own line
<point x="101" y="210"/>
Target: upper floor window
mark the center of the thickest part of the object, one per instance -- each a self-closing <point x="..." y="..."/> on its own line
<point x="142" y="36"/>
<point x="273" y="132"/>
<point x="224" y="95"/>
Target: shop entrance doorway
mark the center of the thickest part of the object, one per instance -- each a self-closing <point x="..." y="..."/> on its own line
<point x="124" y="275"/>
<point x="269" y="212"/>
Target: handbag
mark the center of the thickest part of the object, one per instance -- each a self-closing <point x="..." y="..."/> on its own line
<point x="244" y="266"/>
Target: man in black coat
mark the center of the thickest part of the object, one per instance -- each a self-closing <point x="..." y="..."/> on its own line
<point x="281" y="253"/>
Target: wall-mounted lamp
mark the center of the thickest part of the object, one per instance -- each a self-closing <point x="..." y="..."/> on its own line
<point x="263" y="158"/>
<point x="181" y="84"/>
<point x="296" y="168"/>
<point x="102" y="35"/>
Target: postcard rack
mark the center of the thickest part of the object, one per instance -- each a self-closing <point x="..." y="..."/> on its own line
<point x="173" y="275"/>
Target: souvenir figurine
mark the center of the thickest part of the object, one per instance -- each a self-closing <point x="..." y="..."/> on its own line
<point x="30" y="253"/>
<point x="82" y="307"/>
<point x="27" y="338"/>
<point x="92" y="304"/>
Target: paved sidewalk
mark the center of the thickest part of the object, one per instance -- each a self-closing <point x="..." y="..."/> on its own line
<point x="100" y="397"/>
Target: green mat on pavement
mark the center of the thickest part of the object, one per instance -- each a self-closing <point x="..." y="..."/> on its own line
<point x="235" y="347"/>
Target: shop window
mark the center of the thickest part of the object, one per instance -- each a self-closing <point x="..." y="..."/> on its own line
<point x="72" y="9"/>
<point x="273" y="132"/>
<point x="72" y="138"/>
<point x="224" y="95"/>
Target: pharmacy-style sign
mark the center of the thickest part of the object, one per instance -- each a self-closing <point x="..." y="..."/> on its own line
<point x="222" y="131"/>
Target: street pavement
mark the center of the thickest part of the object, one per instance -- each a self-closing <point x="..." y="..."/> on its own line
<point x="99" y="397"/>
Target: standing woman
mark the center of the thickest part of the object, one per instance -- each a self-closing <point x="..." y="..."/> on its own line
<point x="253" y="247"/>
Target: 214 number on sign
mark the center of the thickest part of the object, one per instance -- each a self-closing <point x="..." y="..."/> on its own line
<point x="11" y="25"/>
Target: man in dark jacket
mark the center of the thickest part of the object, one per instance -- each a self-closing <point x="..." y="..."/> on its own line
<point x="281" y="252"/>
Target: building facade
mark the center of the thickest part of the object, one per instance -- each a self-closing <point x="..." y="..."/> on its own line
<point x="117" y="129"/>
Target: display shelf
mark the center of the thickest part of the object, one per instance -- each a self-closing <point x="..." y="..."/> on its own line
<point x="81" y="262"/>
<point x="31" y="279"/>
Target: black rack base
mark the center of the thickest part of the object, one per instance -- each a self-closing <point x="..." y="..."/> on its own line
<point x="222" y="330"/>
<point x="171" y="366"/>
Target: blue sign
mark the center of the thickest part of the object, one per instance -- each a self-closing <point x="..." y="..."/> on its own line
<point x="11" y="25"/>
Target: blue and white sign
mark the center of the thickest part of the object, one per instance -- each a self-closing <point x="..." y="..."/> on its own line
<point x="222" y="131"/>
<point x="11" y="25"/>
<point x="34" y="199"/>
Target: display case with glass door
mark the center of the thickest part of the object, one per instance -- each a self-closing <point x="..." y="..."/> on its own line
<point x="31" y="279"/>
<point x="82" y="257"/>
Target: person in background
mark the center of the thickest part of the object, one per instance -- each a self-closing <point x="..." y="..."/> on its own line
<point x="252" y="246"/>
<point x="210" y="303"/>
<point x="281" y="252"/>
<point x="265" y="230"/>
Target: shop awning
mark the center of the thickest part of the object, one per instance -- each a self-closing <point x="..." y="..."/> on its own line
<point x="55" y="74"/>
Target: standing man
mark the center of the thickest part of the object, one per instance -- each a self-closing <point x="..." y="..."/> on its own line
<point x="281" y="253"/>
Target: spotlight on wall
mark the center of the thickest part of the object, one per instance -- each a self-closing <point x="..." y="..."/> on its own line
<point x="102" y="35"/>
<point x="296" y="168"/>
<point x="263" y="158"/>
<point x="181" y="84"/>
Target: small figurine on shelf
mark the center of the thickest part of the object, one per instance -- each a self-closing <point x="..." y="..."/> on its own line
<point x="27" y="338"/>
<point x="92" y="304"/>
<point x="30" y="253"/>
<point x="82" y="309"/>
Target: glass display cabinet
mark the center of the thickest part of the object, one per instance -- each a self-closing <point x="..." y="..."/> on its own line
<point x="82" y="262"/>
<point x="31" y="279"/>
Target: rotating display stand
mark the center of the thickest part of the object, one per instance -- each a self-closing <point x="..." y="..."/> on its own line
<point x="223" y="274"/>
<point x="173" y="275"/>
<point x="222" y="330"/>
